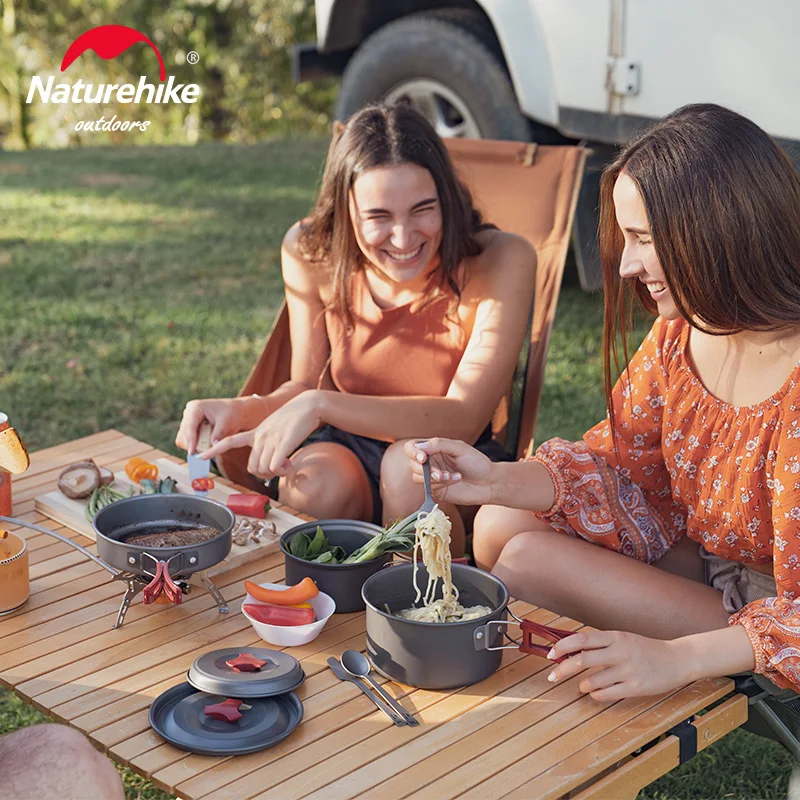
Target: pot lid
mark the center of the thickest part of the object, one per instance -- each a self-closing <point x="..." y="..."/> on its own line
<point x="192" y="720"/>
<point x="246" y="672"/>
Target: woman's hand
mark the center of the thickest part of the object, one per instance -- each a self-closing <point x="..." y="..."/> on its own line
<point x="631" y="665"/>
<point x="226" y="417"/>
<point x="276" y="438"/>
<point x="460" y="474"/>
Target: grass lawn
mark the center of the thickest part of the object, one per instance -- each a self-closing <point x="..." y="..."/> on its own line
<point x="136" y="279"/>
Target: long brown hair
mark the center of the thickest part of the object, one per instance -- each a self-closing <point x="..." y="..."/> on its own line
<point x="723" y="204"/>
<point x="376" y="136"/>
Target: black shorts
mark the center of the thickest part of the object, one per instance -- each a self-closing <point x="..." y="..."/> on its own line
<point x="370" y="453"/>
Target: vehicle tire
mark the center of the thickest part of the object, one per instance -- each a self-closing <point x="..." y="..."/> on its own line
<point x="443" y="66"/>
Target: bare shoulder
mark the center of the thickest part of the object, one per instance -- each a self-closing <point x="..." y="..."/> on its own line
<point x="291" y="241"/>
<point x="505" y="257"/>
<point x="297" y="270"/>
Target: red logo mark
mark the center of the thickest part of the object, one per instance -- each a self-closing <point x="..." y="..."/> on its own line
<point x="108" y="41"/>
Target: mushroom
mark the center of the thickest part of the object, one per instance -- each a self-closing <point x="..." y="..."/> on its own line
<point x="79" y="480"/>
<point x="106" y="476"/>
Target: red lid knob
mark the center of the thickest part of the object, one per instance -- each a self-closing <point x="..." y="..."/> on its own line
<point x="224" y="712"/>
<point x="245" y="662"/>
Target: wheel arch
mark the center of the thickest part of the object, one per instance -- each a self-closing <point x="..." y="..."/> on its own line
<point x="514" y="26"/>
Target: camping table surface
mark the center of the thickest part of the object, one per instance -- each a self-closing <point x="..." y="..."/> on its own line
<point x="512" y="735"/>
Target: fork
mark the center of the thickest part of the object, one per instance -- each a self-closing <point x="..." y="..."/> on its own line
<point x="428" y="505"/>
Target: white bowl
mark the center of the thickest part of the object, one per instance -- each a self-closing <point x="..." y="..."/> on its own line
<point x="292" y="635"/>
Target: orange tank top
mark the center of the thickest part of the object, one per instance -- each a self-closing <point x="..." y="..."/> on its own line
<point x="413" y="349"/>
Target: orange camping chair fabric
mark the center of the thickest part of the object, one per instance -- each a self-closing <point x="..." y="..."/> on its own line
<point x="523" y="188"/>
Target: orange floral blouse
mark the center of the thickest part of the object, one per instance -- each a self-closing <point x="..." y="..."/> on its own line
<point x="689" y="464"/>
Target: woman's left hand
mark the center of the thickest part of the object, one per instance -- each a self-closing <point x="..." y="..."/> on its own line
<point x="632" y="665"/>
<point x="276" y="438"/>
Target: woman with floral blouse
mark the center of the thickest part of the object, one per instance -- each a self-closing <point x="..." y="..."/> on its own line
<point x="696" y="470"/>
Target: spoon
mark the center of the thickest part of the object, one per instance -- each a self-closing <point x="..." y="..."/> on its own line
<point x="358" y="665"/>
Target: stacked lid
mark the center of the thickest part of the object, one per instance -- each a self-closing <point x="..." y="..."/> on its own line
<point x="237" y="700"/>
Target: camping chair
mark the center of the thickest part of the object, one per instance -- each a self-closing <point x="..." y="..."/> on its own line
<point x="522" y="188"/>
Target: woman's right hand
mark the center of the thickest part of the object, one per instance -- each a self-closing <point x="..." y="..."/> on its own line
<point x="460" y="474"/>
<point x="225" y="415"/>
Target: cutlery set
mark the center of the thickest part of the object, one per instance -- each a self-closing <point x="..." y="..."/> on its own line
<point x="354" y="666"/>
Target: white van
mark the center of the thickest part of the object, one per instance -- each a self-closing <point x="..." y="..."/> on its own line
<point x="563" y="70"/>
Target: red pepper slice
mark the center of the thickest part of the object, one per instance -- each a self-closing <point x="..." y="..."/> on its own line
<point x="249" y="505"/>
<point x="280" y="615"/>
<point x="203" y="484"/>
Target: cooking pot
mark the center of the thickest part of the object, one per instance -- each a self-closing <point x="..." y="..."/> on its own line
<point x="342" y="582"/>
<point x="446" y="655"/>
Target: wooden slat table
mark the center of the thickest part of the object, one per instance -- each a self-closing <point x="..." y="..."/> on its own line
<point x="512" y="735"/>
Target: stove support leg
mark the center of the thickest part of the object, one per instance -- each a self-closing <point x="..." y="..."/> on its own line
<point x="206" y="583"/>
<point x="133" y="589"/>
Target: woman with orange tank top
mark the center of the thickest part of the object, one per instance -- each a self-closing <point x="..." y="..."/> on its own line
<point x="407" y="314"/>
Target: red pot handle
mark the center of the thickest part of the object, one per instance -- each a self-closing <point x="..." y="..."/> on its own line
<point x="530" y="628"/>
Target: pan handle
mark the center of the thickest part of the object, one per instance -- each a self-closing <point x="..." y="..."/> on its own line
<point x="482" y="635"/>
<point x="40" y="529"/>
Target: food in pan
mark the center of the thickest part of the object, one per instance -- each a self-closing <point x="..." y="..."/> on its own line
<point x="173" y="537"/>
<point x="433" y="541"/>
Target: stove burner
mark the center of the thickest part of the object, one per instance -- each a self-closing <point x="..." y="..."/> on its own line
<point x="136" y="584"/>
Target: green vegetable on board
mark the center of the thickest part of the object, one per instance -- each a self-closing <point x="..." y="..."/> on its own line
<point x="105" y="495"/>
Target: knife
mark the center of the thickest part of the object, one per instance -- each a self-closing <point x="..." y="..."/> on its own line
<point x="338" y="671"/>
<point x="199" y="467"/>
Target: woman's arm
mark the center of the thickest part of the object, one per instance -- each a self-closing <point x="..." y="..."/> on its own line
<point x="310" y="346"/>
<point x="504" y="279"/>
<point x="629" y="665"/>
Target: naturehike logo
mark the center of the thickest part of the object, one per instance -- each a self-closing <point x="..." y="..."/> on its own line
<point x="109" y="41"/>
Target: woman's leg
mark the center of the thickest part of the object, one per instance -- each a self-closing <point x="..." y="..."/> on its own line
<point x="684" y="559"/>
<point x="605" y="589"/>
<point x="327" y="481"/>
<point x="401" y="496"/>
<point x="495" y="526"/>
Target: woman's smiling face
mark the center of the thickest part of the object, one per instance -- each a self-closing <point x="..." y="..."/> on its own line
<point x="397" y="219"/>
<point x="639" y="260"/>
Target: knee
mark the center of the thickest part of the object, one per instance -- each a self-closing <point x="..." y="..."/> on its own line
<point x="397" y="484"/>
<point x="59" y="760"/>
<point x="327" y="481"/>
<point x="493" y="527"/>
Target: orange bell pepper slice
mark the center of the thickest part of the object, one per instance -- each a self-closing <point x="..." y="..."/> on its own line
<point x="137" y="469"/>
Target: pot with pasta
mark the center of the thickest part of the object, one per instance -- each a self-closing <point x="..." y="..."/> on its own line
<point x="438" y="625"/>
<point x="420" y="651"/>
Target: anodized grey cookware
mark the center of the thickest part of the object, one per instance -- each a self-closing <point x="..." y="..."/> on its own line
<point x="153" y="512"/>
<point x="433" y="656"/>
<point x="342" y="582"/>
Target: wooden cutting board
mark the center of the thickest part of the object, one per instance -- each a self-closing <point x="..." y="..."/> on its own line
<point x="72" y="514"/>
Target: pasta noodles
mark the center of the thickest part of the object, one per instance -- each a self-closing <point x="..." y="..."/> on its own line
<point x="433" y="541"/>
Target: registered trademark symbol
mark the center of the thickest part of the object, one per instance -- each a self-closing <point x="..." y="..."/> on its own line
<point x="192" y="57"/>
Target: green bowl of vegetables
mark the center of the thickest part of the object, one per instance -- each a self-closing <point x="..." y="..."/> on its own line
<point x="340" y="554"/>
